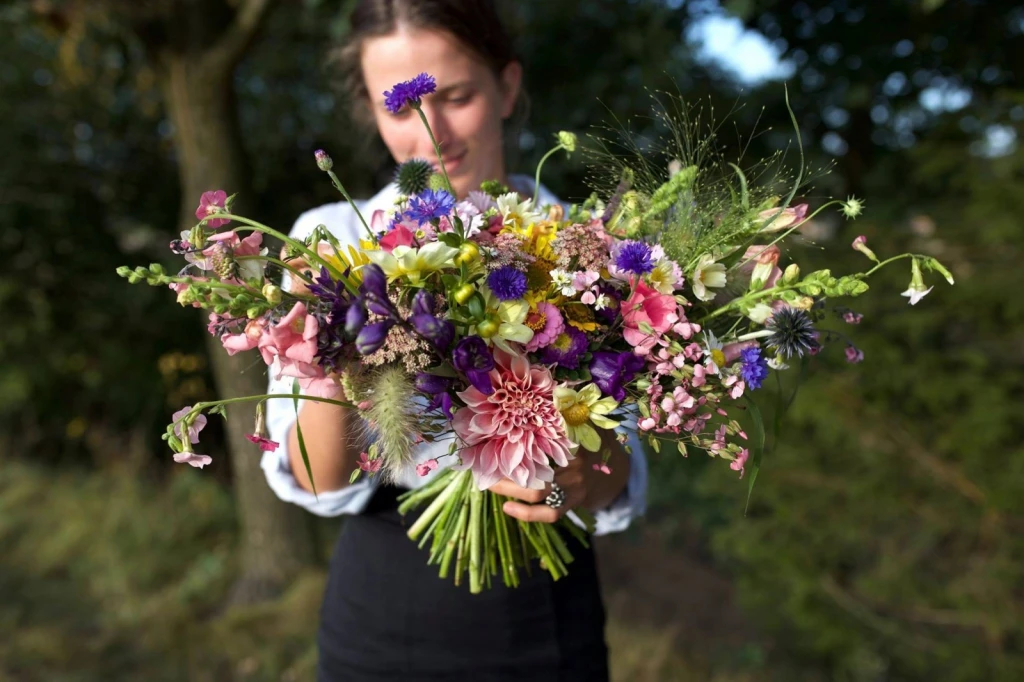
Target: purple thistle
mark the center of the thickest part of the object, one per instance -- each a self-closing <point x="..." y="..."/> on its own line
<point x="409" y="92"/>
<point x="432" y="204"/>
<point x="754" y="368"/>
<point x="507" y="283"/>
<point x="634" y="256"/>
<point x="566" y="349"/>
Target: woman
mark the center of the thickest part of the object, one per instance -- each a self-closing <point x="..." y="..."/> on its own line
<point x="386" y="615"/>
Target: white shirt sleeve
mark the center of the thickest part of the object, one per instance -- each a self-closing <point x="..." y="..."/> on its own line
<point x="281" y="412"/>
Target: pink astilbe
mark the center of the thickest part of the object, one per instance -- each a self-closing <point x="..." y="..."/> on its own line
<point x="516" y="432"/>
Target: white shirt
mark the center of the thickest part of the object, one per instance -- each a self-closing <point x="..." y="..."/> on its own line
<point x="342" y="221"/>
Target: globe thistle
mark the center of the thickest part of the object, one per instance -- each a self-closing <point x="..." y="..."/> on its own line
<point x="792" y="332"/>
<point x="413" y="176"/>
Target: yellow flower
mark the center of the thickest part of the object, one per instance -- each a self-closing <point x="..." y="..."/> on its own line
<point x="350" y="262"/>
<point x="414" y="264"/>
<point x="579" y="409"/>
<point x="510" y="316"/>
<point x="578" y="315"/>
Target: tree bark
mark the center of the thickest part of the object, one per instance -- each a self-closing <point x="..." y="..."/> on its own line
<point x="275" y="541"/>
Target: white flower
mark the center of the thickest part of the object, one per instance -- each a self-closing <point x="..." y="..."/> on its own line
<point x="916" y="294"/>
<point x="516" y="213"/>
<point x="708" y="273"/>
<point x="714" y="356"/>
<point x="602" y="302"/>
<point x="563" y="281"/>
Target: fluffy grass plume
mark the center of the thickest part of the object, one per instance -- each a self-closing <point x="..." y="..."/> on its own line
<point x="392" y="418"/>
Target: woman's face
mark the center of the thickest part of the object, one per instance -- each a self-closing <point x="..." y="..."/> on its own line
<point x="465" y="113"/>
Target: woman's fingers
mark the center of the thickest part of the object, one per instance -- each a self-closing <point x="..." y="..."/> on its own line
<point x="533" y="512"/>
<point x="511" y="489"/>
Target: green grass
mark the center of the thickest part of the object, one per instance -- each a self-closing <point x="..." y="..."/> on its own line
<point x="109" y="577"/>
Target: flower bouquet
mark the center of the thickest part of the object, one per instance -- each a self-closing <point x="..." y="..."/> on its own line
<point x="520" y="333"/>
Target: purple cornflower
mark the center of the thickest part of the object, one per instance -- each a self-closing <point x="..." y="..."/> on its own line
<point x="754" y="369"/>
<point x="409" y="92"/>
<point x="635" y="257"/>
<point x="432" y="204"/>
<point x="507" y="283"/>
<point x="566" y="349"/>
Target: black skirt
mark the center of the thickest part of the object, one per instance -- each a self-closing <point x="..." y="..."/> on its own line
<point x="387" y="615"/>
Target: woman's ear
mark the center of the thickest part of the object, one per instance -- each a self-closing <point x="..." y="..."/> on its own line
<point x="511" y="84"/>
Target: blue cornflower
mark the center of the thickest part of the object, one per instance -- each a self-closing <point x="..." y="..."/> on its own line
<point x="430" y="205"/>
<point x="409" y="92"/>
<point x="754" y="368"/>
<point x="634" y="257"/>
<point x="507" y="283"/>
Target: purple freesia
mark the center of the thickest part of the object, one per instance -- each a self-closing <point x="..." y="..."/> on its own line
<point x="423" y="303"/>
<point x="437" y="387"/>
<point x="473" y="358"/>
<point x="612" y="371"/>
<point x="441" y="333"/>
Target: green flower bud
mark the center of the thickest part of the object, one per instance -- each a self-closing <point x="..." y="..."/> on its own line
<point x="272" y="293"/>
<point x="567" y="140"/>
<point x="437" y="182"/>
<point x="791" y="274"/>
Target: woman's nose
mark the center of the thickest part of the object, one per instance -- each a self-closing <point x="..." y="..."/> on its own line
<point x="438" y="121"/>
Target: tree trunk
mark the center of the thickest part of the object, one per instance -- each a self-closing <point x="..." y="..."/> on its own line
<point x="275" y="538"/>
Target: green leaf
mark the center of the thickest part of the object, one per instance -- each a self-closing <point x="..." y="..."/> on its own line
<point x="302" y="442"/>
<point x="476" y="306"/>
<point x="744" y="192"/>
<point x="450" y="239"/>
<point x="756" y="444"/>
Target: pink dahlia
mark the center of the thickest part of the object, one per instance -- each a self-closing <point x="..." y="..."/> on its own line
<point x="515" y="432"/>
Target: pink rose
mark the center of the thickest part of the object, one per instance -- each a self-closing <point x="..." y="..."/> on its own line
<point x="649" y="307"/>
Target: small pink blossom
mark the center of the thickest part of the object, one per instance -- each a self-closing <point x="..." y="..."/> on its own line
<point x="426" y="467"/>
<point x="265" y="444"/>
<point x="368" y="465"/>
<point x="778" y="219"/>
<point x="854" y="354"/>
<point x="247" y="340"/>
<point x="740" y="462"/>
<point x="210" y="203"/>
<point x="364" y="405"/>
<point x="851" y="317"/>
<point x="647" y="423"/>
<point x="685" y="328"/>
<point x="192" y="458"/>
<point x="194" y="428"/>
<point x="602" y="467"/>
<point x="583" y="279"/>
<point x="760" y="262"/>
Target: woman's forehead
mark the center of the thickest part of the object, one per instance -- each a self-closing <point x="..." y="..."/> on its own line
<point x="399" y="56"/>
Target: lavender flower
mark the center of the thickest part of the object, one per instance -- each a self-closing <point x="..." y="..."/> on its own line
<point x="507" y="283"/>
<point x="754" y="368"/>
<point x="409" y="92"/>
<point x="432" y="204"/>
<point x="635" y="257"/>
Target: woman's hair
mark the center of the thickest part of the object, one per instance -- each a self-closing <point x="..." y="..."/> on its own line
<point x="477" y="24"/>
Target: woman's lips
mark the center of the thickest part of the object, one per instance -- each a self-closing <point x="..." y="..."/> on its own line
<point x="451" y="163"/>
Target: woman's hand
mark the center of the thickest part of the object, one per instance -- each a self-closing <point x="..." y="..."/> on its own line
<point x="584" y="486"/>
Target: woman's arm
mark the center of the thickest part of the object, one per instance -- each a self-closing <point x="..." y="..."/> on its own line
<point x="330" y="434"/>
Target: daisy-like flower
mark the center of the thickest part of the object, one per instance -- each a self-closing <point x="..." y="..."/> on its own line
<point x="707" y="274"/>
<point x="515" y="213"/>
<point x="563" y="282"/>
<point x="714" y="356"/>
<point x="566" y="349"/>
<point x="582" y="410"/>
<point x="516" y="432"/>
<point x="546" y="323"/>
<point x="409" y="92"/>
<point x="666" y="277"/>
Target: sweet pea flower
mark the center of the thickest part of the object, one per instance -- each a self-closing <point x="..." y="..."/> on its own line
<point x="210" y="203"/>
<point x="778" y="219"/>
<point x="192" y="458"/>
<point x="647" y="307"/>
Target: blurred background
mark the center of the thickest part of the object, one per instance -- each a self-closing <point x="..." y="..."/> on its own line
<point x="883" y="541"/>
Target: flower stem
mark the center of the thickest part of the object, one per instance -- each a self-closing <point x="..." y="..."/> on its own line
<point x="476" y="498"/>
<point x="437" y="149"/>
<point x="311" y="257"/>
<point x="344" y="193"/>
<point x="536" y="181"/>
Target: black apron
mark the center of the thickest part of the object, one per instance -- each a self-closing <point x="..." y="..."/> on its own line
<point x="387" y="615"/>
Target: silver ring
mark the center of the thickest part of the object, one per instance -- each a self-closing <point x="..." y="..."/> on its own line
<point x="556" y="498"/>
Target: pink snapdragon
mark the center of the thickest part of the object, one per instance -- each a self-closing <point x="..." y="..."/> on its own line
<point x="290" y="348"/>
